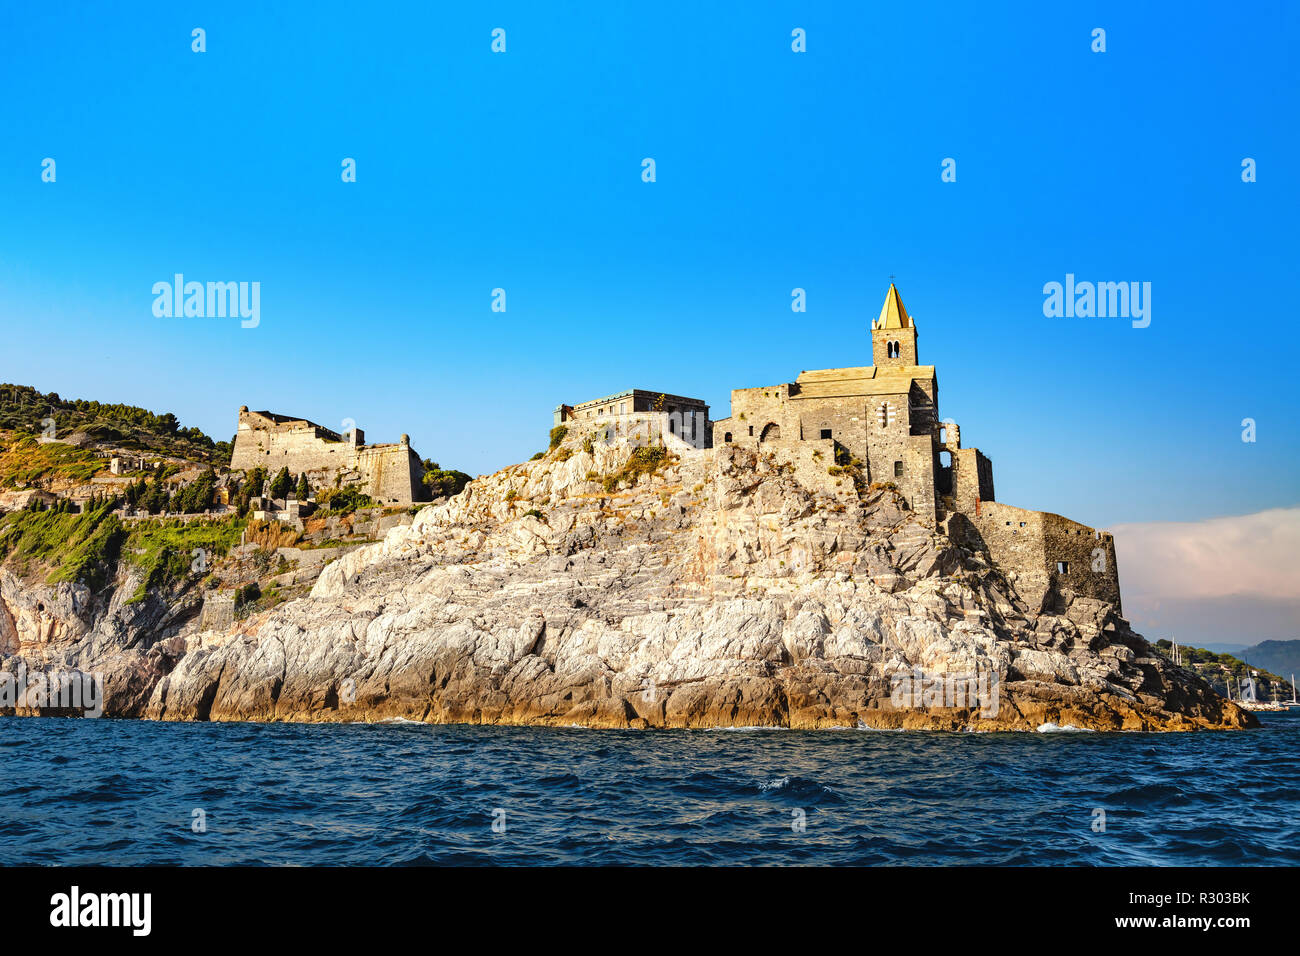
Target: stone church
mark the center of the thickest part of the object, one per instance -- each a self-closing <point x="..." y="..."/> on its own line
<point x="884" y="417"/>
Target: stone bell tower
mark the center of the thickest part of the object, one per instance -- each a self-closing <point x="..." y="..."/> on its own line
<point x="893" y="335"/>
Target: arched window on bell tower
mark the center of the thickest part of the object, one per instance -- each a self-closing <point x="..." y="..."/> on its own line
<point x="893" y="335"/>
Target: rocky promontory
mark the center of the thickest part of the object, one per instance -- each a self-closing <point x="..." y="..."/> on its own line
<point x="611" y="584"/>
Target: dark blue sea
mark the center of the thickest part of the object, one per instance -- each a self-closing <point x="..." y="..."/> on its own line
<point x="132" y="792"/>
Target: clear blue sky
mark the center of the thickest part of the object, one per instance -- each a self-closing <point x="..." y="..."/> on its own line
<point x="775" y="170"/>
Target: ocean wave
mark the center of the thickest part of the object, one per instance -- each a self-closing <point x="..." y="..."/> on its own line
<point x="1051" y="728"/>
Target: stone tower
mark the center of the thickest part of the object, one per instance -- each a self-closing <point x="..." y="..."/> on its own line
<point x="893" y="335"/>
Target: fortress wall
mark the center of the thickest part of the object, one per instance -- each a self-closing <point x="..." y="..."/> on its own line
<point x="218" y="610"/>
<point x="1033" y="542"/>
<point x="1088" y="554"/>
<point x="393" y="473"/>
<point x="752" y="409"/>
<point x="645" y="428"/>
<point x="300" y="449"/>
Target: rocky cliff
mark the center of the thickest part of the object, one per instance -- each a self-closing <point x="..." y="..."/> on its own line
<point x="605" y="586"/>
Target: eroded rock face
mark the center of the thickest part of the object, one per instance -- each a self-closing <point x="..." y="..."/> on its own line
<point x="728" y="589"/>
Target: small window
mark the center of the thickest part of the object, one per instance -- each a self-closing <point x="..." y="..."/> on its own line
<point x="1062" y="567"/>
<point x="826" y="433"/>
<point x="751" y="431"/>
<point x="898" y="469"/>
<point x="727" y="438"/>
<point x="1022" y="524"/>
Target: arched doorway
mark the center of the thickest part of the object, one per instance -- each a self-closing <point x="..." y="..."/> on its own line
<point x="771" y="432"/>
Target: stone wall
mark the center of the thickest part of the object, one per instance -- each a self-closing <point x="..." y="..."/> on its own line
<point x="218" y="610"/>
<point x="394" y="473"/>
<point x="758" y="414"/>
<point x="1052" y="550"/>
<point x="970" y="479"/>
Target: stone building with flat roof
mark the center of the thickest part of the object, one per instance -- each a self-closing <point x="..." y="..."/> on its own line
<point x="687" y="418"/>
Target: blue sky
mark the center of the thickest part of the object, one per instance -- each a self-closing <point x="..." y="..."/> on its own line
<point x="775" y="170"/>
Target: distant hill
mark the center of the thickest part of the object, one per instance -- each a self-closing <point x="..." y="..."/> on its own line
<point x="26" y="412"/>
<point x="1280" y="657"/>
<point x="1235" y="650"/>
<point x="1223" y="670"/>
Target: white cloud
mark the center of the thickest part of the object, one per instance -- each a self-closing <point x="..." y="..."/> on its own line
<point x="1250" y="555"/>
<point x="1222" y="580"/>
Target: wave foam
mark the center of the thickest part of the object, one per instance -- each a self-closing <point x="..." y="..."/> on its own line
<point x="1051" y="728"/>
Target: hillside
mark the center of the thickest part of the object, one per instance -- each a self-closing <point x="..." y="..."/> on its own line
<point x="1223" y="671"/>
<point x="612" y="585"/>
<point x="1280" y="657"/>
<point x="78" y="427"/>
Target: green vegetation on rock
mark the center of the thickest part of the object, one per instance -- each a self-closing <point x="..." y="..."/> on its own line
<point x="24" y="461"/>
<point x="443" y="483"/>
<point x="74" y="547"/>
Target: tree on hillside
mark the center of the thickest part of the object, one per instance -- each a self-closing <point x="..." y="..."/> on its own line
<point x="304" y="489"/>
<point x="443" y="484"/>
<point x="281" y="484"/>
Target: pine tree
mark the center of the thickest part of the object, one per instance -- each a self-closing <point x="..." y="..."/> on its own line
<point x="280" y="486"/>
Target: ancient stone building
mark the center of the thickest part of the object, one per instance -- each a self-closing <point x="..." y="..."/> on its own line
<point x="687" y="418"/>
<point x="883" y="418"/>
<point x="390" y="474"/>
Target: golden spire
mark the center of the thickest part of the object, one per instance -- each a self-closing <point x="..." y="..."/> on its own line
<point x="893" y="315"/>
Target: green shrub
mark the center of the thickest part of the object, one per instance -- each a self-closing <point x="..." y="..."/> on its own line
<point x="343" y="501"/>
<point x="557" y="435"/>
<point x="443" y="483"/>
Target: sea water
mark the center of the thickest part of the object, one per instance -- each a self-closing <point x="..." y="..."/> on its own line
<point x="135" y="792"/>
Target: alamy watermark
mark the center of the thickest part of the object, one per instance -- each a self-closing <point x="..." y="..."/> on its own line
<point x="212" y="300"/>
<point x="56" y="690"/>
<point x="918" y="690"/>
<point x="1102" y="300"/>
<point x="648" y="428"/>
